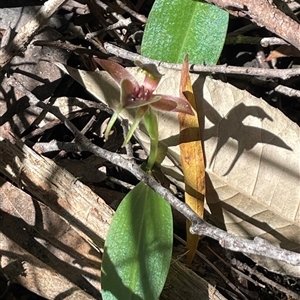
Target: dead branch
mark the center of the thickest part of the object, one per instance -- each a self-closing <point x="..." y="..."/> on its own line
<point x="265" y="14"/>
<point x="224" y="69"/>
<point x="260" y="276"/>
<point x="139" y="17"/>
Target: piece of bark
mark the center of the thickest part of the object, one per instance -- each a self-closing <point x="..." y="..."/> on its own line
<point x="265" y="14"/>
<point x="42" y="235"/>
<point x="183" y="284"/>
<point x="29" y="271"/>
<point x="86" y="212"/>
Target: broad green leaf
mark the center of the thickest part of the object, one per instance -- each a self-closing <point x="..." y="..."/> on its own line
<point x="138" y="247"/>
<point x="179" y="27"/>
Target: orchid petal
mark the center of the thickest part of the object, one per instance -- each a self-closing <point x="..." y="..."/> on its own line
<point x="152" y="77"/>
<point x="150" y="69"/>
<point x="138" y="117"/>
<point x="128" y="89"/>
<point x="175" y="104"/>
<point x="150" y="83"/>
<point x="116" y="71"/>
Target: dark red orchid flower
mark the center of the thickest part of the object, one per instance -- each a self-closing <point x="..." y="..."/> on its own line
<point x="141" y="97"/>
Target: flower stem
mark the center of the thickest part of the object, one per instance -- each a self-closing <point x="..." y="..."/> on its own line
<point x="112" y="121"/>
<point x="138" y="117"/>
<point x="151" y="125"/>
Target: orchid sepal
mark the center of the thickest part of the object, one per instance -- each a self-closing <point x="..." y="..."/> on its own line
<point x="172" y="104"/>
<point x="116" y="71"/>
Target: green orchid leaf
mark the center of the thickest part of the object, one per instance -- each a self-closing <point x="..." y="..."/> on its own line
<point x="138" y="247"/>
<point x="179" y="27"/>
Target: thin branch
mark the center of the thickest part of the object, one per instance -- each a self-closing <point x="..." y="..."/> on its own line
<point x="271" y="41"/>
<point x="55" y="146"/>
<point x="290" y="92"/>
<point x="119" y="24"/>
<point x="108" y="9"/>
<point x="258" y="246"/>
<point x="239" y="273"/>
<point x="66" y="45"/>
<point x="139" y="17"/>
<point x="83" y="131"/>
<point x="271" y="73"/>
<point x="260" y="276"/>
<point x="211" y="265"/>
<point x="122" y="183"/>
<point x="272" y="18"/>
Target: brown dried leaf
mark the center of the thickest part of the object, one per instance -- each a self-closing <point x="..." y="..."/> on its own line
<point x="40" y="242"/>
<point x="283" y="51"/>
<point x="192" y="159"/>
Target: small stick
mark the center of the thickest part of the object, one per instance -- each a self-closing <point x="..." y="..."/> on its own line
<point x="139" y="17"/>
<point x="209" y="263"/>
<point x="260" y="276"/>
<point x="287" y="91"/>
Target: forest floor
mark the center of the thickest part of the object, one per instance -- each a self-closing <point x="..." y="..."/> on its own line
<point x="78" y="31"/>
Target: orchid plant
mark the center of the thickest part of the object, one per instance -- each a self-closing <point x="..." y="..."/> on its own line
<point x="134" y="249"/>
<point x="143" y="99"/>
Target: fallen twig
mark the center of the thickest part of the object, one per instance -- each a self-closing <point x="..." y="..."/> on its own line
<point x="265" y="14"/>
<point x="136" y="15"/>
<point x="252" y="271"/>
<point x="271" y="73"/>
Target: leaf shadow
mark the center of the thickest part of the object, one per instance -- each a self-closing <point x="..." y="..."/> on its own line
<point x="223" y="130"/>
<point x="110" y="272"/>
<point x="28" y="237"/>
<point x="231" y="126"/>
<point x="30" y="225"/>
